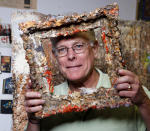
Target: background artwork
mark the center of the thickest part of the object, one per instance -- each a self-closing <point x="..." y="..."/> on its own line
<point x="0" y="63"/>
<point x="6" y="64"/>
<point x="146" y="62"/>
<point x="5" y="30"/>
<point x="7" y="86"/>
<point x="143" y="10"/>
<point x="31" y="4"/>
<point x="6" y="106"/>
<point x="5" y="34"/>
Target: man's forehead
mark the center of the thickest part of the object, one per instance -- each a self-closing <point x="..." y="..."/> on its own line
<point x="71" y="41"/>
<point x="85" y="36"/>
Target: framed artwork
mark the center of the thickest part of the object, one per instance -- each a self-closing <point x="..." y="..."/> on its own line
<point x="45" y="71"/>
<point x="7" y="86"/>
<point x="143" y="10"/>
<point x="43" y="43"/>
<point x="5" y="30"/>
<point x="0" y="63"/>
<point x="21" y="4"/>
<point x="5" y="34"/>
<point x="6" y="106"/>
<point x="6" y="64"/>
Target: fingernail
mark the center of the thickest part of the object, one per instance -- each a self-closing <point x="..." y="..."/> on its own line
<point x="119" y="70"/>
<point x="127" y="105"/>
<point x="41" y="107"/>
<point x="115" y="85"/>
<point x="43" y="101"/>
<point x="39" y="95"/>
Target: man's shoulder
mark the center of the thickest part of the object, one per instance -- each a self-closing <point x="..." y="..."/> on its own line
<point x="146" y="91"/>
<point x="104" y="80"/>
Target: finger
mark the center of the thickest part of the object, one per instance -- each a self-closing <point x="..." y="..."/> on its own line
<point x="126" y="72"/>
<point x="29" y="85"/>
<point x="33" y="109"/>
<point x="125" y="79"/>
<point x="32" y="95"/>
<point x="34" y="102"/>
<point x="123" y="86"/>
<point x="128" y="94"/>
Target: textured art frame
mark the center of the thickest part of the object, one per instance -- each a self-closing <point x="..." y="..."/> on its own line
<point x="32" y="46"/>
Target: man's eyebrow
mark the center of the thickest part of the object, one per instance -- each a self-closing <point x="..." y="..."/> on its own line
<point x="60" y="46"/>
<point x="79" y="42"/>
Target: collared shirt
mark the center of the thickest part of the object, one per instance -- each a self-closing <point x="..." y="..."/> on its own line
<point x="103" y="81"/>
<point x="117" y="119"/>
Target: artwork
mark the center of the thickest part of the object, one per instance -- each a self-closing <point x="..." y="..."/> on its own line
<point x="6" y="64"/>
<point x="143" y="10"/>
<point x="0" y="63"/>
<point x="7" y="86"/>
<point x="6" y="106"/>
<point x="135" y="49"/>
<point x="44" y="73"/>
<point x="4" y="40"/>
<point x="31" y="4"/>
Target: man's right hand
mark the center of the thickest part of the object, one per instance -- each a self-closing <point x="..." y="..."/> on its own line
<point x="33" y="104"/>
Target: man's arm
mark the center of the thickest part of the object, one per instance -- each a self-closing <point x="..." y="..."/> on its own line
<point x="145" y="110"/>
<point x="33" y="103"/>
<point x="128" y="85"/>
<point x="33" y="127"/>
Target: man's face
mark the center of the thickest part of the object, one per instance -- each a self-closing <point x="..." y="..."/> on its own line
<point x="73" y="66"/>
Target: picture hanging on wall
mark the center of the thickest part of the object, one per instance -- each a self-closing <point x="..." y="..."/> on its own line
<point x="143" y="10"/>
<point x="4" y="39"/>
<point x="0" y="63"/>
<point x="21" y="4"/>
<point x="5" y="30"/>
<point x="7" y="86"/>
<point x="6" y="64"/>
<point x="6" y="106"/>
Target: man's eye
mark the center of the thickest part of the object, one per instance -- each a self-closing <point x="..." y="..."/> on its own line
<point x="61" y="50"/>
<point x="78" y="46"/>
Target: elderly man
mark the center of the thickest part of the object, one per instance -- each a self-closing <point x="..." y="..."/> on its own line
<point x="75" y="56"/>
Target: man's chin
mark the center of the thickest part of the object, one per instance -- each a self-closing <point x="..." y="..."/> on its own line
<point x="74" y="79"/>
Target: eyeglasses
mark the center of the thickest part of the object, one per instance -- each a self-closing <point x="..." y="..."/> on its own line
<point x="78" y="48"/>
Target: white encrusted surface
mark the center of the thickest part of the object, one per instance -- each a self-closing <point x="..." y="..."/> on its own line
<point x="20" y="69"/>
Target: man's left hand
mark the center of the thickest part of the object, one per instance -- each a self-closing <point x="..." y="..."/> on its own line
<point x="128" y="85"/>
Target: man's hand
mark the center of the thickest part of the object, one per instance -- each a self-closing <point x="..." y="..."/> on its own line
<point x="33" y="104"/>
<point x="128" y="85"/>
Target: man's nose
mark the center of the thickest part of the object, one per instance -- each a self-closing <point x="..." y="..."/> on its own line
<point x="71" y="54"/>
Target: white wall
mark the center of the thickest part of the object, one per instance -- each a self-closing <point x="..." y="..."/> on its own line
<point x="127" y="12"/>
<point x="127" y="7"/>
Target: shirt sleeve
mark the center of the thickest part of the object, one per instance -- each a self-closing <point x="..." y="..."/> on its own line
<point x="139" y="121"/>
<point x="146" y="91"/>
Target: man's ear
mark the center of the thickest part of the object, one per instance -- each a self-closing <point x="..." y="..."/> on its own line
<point x="95" y="49"/>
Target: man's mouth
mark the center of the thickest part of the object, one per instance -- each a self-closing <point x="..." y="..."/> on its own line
<point x="74" y="66"/>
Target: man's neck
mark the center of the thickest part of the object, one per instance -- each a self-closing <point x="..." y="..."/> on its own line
<point x="90" y="82"/>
